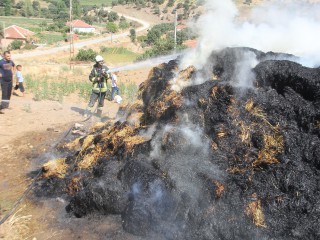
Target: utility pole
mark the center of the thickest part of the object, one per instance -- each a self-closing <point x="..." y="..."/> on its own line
<point x="4" y="38"/>
<point x="71" y="38"/>
<point x="175" y="30"/>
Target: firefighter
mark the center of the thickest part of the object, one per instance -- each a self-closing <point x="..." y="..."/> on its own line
<point x="98" y="76"/>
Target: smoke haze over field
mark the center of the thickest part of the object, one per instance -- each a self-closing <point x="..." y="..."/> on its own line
<point x="280" y="26"/>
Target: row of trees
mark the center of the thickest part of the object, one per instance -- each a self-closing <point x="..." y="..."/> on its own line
<point x="29" y="8"/>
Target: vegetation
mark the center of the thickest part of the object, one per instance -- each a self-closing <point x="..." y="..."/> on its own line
<point x="16" y="44"/>
<point x="86" y="55"/>
<point x="44" y="89"/>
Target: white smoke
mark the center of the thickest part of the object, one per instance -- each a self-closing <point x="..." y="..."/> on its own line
<point x="280" y="26"/>
<point x="244" y="77"/>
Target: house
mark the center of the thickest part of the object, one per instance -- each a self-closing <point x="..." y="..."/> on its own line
<point x="181" y="27"/>
<point x="81" y="27"/>
<point x="15" y="33"/>
<point x="191" y="43"/>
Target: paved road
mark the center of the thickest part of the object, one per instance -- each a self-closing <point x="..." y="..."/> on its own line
<point x="54" y="50"/>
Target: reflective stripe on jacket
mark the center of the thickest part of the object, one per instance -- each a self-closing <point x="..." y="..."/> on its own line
<point x="99" y="81"/>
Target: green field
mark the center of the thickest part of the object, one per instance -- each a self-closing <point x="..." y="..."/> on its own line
<point x="29" y="23"/>
<point x="49" y="38"/>
<point x="95" y="2"/>
<point x="118" y="55"/>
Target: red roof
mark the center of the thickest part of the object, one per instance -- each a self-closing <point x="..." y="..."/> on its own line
<point x="15" y="32"/>
<point x="79" y="24"/>
<point x="180" y="27"/>
<point x="190" y="43"/>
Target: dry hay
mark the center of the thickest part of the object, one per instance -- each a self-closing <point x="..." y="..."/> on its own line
<point x="214" y="91"/>
<point x="219" y="188"/>
<point x="134" y="118"/>
<point x="90" y="159"/>
<point x="183" y="79"/>
<point x="87" y="142"/>
<point x="57" y="168"/>
<point x="130" y="142"/>
<point x="214" y="146"/>
<point x="73" y="186"/>
<point x="255" y="110"/>
<point x="244" y="132"/>
<point x="73" y="145"/>
<point x="273" y="145"/>
<point x="97" y="127"/>
<point x="255" y="211"/>
<point x="173" y="99"/>
<point x="16" y="227"/>
<point x="222" y="132"/>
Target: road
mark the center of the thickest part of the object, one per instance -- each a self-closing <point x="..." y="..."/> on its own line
<point x="54" y="50"/>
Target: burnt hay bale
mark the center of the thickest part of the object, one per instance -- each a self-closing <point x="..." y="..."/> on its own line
<point x="219" y="162"/>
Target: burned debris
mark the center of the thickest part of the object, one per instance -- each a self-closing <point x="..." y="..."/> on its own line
<point x="214" y="160"/>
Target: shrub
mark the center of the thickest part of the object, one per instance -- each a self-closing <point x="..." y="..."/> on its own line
<point x="16" y="44"/>
<point x="86" y="55"/>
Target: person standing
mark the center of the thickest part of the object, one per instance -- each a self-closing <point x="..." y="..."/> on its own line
<point x="114" y="85"/>
<point x="6" y="77"/>
<point x="19" y="80"/>
<point x="98" y="76"/>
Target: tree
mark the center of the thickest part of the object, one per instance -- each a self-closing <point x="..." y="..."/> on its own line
<point x="133" y="35"/>
<point x="19" y="5"/>
<point x="113" y="16"/>
<point x="16" y="44"/>
<point x="77" y="8"/>
<point x="112" y="27"/>
<point x="7" y="7"/>
<point x="36" y="6"/>
<point x="28" y="9"/>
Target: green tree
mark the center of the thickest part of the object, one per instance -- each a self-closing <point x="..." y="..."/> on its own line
<point x="113" y="16"/>
<point x="133" y="35"/>
<point x="28" y="9"/>
<point x="112" y="27"/>
<point x="77" y="8"/>
<point x="19" y="5"/>
<point x="36" y="6"/>
<point x="16" y="44"/>
<point x="7" y="7"/>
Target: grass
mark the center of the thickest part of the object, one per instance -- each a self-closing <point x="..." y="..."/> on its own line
<point x="46" y="88"/>
<point x="49" y="38"/>
<point x="30" y="23"/>
<point x="118" y="55"/>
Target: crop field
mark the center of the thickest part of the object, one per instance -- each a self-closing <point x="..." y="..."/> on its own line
<point x="30" y="23"/>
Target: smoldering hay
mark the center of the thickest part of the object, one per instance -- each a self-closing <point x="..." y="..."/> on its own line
<point x="212" y="161"/>
<point x="222" y="143"/>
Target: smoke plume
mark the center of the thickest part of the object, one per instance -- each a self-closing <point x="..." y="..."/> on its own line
<point x="280" y="26"/>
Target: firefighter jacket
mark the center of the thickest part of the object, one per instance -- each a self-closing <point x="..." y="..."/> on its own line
<point x="99" y="77"/>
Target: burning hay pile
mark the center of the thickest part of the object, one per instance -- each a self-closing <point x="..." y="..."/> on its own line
<point x="214" y="160"/>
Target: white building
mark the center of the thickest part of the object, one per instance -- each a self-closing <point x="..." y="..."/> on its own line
<point x="81" y="27"/>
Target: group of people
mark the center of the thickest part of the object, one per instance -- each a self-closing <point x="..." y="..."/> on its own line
<point x="98" y="76"/>
<point x="7" y="71"/>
